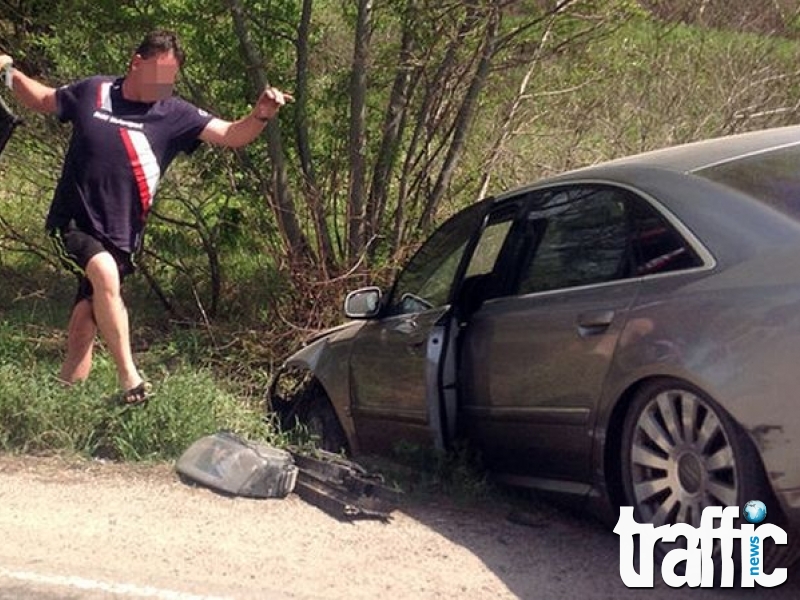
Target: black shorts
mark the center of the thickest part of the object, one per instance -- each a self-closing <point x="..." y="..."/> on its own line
<point x="75" y="248"/>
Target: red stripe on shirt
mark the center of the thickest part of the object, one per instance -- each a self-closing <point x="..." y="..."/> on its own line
<point x="138" y="172"/>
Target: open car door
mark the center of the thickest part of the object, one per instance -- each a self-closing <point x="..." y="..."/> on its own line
<point x="395" y="359"/>
<point x="404" y="376"/>
<point x="482" y="276"/>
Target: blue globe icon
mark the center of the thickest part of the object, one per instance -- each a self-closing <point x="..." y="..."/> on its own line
<point x="755" y="511"/>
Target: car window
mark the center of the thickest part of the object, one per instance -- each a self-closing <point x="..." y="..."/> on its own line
<point x="657" y="246"/>
<point x="582" y="239"/>
<point x="484" y="277"/>
<point x="595" y="234"/>
<point x="770" y="177"/>
<point x="427" y="279"/>
<point x="487" y="251"/>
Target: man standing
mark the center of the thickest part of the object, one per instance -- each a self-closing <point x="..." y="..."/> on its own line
<point x="126" y="132"/>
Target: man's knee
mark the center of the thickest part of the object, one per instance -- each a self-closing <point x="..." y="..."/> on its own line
<point x="103" y="273"/>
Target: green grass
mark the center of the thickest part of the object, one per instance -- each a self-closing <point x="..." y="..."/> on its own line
<point x="422" y="472"/>
<point x="38" y="414"/>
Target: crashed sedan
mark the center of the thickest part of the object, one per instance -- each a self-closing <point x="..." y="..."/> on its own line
<point x="622" y="334"/>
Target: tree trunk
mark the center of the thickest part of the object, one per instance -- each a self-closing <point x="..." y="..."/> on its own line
<point x="357" y="139"/>
<point x="508" y="120"/>
<point x="463" y="121"/>
<point x="284" y="208"/>
<point x="423" y="131"/>
<point x="325" y="250"/>
<point x="393" y="126"/>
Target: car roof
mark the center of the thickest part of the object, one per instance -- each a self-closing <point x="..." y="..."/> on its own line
<point x="684" y="158"/>
<point x="698" y="155"/>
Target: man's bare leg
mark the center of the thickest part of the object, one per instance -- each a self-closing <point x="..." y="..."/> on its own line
<point x="80" y="343"/>
<point x="111" y="316"/>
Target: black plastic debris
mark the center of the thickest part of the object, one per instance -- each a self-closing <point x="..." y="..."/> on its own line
<point x="341" y="487"/>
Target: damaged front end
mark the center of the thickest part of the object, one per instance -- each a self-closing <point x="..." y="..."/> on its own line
<point x="311" y="387"/>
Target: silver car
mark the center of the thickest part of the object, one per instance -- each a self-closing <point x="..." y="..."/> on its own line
<point x="624" y="334"/>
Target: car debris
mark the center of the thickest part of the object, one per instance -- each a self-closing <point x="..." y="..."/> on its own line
<point x="232" y="465"/>
<point x="229" y="464"/>
<point x="343" y="488"/>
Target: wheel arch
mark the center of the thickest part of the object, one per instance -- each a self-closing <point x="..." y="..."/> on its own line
<point x="612" y="450"/>
<point x="294" y="386"/>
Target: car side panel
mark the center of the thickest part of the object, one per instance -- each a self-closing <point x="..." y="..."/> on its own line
<point x="532" y="373"/>
<point x="734" y="333"/>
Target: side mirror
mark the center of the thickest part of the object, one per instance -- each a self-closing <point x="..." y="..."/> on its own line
<point x="363" y="304"/>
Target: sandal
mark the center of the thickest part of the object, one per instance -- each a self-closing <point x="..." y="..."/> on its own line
<point x="135" y="396"/>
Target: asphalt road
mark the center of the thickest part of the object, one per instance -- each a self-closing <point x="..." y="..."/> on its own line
<point x="78" y="530"/>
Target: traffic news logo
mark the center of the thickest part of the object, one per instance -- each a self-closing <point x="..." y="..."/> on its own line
<point x="698" y="553"/>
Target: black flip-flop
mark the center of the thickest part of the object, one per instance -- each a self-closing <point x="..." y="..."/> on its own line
<point x="136" y="396"/>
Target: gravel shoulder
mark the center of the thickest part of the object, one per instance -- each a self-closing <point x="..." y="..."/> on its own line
<point x="137" y="531"/>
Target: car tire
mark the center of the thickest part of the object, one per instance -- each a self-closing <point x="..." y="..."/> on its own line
<point x="681" y="452"/>
<point x="316" y="414"/>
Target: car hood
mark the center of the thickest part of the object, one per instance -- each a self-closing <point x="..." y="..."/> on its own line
<point x="340" y="332"/>
<point x="321" y="346"/>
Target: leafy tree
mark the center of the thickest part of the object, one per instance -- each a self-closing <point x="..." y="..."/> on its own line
<point x="405" y="110"/>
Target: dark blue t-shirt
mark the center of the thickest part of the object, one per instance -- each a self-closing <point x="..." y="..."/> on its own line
<point x="117" y="154"/>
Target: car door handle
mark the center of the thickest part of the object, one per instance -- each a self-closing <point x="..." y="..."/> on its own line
<point x="594" y="322"/>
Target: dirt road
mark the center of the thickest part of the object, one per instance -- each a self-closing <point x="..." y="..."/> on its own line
<point x="87" y="530"/>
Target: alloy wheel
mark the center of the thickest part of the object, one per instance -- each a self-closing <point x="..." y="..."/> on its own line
<point x="680" y="459"/>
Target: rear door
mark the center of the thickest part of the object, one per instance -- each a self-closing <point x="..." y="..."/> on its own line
<point x="533" y="363"/>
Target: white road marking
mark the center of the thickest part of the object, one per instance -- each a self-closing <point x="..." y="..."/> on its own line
<point x="122" y="589"/>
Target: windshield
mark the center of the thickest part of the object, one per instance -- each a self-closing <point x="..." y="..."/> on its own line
<point x="771" y="177"/>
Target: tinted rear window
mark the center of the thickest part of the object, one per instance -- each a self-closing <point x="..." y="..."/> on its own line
<point x="772" y="177"/>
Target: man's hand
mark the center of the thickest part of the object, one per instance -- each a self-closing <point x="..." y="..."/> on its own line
<point x="269" y="103"/>
<point x="243" y="131"/>
<point x="8" y="120"/>
<point x="5" y="69"/>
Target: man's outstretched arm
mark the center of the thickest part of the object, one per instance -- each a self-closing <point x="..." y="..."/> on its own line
<point x="31" y="94"/>
<point x="240" y="133"/>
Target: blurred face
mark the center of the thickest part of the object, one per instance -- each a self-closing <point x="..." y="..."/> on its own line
<point x="153" y="78"/>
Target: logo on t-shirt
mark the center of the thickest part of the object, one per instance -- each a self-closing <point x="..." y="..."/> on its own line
<point x="104" y="116"/>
